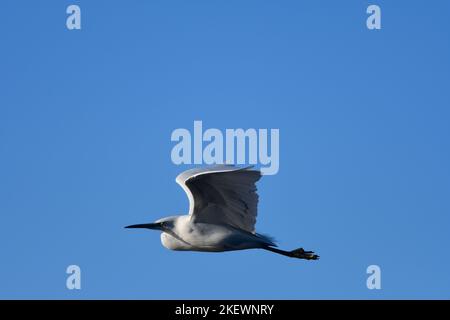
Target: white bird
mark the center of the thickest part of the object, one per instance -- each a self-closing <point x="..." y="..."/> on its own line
<point x="222" y="214"/>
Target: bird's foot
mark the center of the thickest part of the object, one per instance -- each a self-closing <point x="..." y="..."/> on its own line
<point x="302" y="254"/>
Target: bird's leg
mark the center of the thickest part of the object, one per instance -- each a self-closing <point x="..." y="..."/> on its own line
<point x="302" y="254"/>
<point x="297" y="253"/>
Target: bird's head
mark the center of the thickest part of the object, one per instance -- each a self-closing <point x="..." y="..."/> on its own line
<point x="163" y="224"/>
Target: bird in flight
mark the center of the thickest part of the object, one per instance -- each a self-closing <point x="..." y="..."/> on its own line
<point x="222" y="214"/>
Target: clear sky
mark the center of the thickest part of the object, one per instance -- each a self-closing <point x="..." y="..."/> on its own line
<point x="85" y="123"/>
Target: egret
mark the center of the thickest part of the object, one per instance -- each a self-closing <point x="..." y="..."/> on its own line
<point x="222" y="214"/>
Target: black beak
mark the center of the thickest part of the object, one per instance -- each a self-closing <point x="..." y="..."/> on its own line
<point x="153" y="226"/>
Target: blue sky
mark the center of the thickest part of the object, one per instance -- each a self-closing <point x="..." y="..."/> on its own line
<point x="85" y="124"/>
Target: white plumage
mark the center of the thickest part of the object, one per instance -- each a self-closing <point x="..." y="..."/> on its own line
<point x="222" y="195"/>
<point x="222" y="215"/>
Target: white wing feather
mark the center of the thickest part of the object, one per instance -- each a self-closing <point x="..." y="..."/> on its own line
<point x="222" y="195"/>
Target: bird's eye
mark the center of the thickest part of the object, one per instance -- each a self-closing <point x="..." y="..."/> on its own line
<point x="162" y="224"/>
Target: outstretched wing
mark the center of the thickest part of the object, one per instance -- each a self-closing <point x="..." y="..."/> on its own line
<point x="222" y="195"/>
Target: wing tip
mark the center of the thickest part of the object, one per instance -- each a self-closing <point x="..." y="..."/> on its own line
<point x="216" y="168"/>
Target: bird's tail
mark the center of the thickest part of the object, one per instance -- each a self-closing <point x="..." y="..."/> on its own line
<point x="270" y="241"/>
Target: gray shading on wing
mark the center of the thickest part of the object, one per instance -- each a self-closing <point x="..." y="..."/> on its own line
<point x="222" y="195"/>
